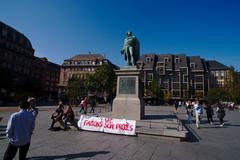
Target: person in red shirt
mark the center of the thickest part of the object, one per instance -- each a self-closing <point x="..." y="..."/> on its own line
<point x="69" y="117"/>
<point x="85" y="103"/>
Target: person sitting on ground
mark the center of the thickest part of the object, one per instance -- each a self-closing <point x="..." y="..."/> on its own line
<point x="57" y="115"/>
<point x="69" y="117"/>
<point x="33" y="109"/>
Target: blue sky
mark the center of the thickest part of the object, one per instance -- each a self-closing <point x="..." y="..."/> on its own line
<point x="60" y="29"/>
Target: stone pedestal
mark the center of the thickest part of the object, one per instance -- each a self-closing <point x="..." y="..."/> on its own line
<point x="128" y="103"/>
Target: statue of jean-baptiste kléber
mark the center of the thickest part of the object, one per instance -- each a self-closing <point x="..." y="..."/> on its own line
<point x="131" y="49"/>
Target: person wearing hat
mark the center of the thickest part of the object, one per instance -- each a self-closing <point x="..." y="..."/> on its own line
<point x="33" y="109"/>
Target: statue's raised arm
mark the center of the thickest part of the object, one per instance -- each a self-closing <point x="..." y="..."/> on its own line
<point x="131" y="49"/>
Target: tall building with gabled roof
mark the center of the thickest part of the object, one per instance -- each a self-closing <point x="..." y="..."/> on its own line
<point x="183" y="76"/>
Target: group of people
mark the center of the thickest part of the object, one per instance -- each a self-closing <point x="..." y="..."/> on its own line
<point x="84" y="103"/>
<point x="63" y="117"/>
<point x="198" y="107"/>
<point x="69" y="117"/>
<point x="20" y="128"/>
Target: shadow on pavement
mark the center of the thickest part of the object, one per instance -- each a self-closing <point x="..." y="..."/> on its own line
<point x="192" y="136"/>
<point x="70" y="156"/>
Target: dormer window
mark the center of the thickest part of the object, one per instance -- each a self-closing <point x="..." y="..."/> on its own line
<point x="177" y="60"/>
<point x="192" y="65"/>
<point x="166" y="59"/>
<point x="148" y="59"/>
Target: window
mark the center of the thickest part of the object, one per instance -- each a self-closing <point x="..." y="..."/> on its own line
<point x="184" y="70"/>
<point x="177" y="60"/>
<point x="161" y="70"/>
<point x="185" y="79"/>
<point x="222" y="73"/>
<point x="166" y="59"/>
<point x="184" y="86"/>
<point x="176" y="86"/>
<point x="160" y="64"/>
<point x="192" y="65"/>
<point x="198" y="78"/>
<point x="176" y="93"/>
<point x="199" y="86"/>
<point x="149" y="77"/>
<point x="175" y="78"/>
<point x="149" y="84"/>
<point x="148" y="59"/>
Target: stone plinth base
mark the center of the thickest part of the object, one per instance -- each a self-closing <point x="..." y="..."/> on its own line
<point x="128" y="103"/>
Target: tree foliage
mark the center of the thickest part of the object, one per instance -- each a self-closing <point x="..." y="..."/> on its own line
<point x="216" y="94"/>
<point x="232" y="85"/>
<point x="167" y="96"/>
<point x="156" y="92"/>
<point x="104" y="79"/>
<point x="75" y="88"/>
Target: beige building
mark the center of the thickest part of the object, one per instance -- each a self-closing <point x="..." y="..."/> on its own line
<point x="80" y="66"/>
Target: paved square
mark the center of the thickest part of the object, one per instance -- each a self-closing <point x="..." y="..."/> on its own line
<point x="209" y="142"/>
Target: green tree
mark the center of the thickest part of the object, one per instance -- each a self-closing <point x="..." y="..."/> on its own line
<point x="216" y="94"/>
<point x="167" y="96"/>
<point x="232" y="85"/>
<point x="156" y="92"/>
<point x="75" y="89"/>
<point x="105" y="79"/>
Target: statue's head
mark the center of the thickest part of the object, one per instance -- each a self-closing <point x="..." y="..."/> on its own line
<point x="129" y="33"/>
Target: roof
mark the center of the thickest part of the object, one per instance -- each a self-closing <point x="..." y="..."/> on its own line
<point x="197" y="61"/>
<point x="215" y="65"/>
<point x="88" y="56"/>
<point x="14" y="35"/>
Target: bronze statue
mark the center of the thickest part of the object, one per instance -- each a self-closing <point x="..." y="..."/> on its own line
<point x="131" y="49"/>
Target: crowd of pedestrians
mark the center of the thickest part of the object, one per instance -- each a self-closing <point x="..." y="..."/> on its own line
<point x="196" y="108"/>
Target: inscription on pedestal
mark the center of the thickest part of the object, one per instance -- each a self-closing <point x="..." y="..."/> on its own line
<point x="127" y="85"/>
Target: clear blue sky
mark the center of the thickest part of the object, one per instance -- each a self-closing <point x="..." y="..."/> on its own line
<point x="60" y="29"/>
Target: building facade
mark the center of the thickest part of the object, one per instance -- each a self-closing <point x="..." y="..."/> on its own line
<point x="79" y="67"/>
<point x="180" y="75"/>
<point x="21" y="71"/>
<point x="218" y="73"/>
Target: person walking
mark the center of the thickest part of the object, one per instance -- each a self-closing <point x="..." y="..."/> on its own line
<point x="198" y="111"/>
<point x="85" y="103"/>
<point x="176" y="106"/>
<point x="33" y="109"/>
<point x="82" y="105"/>
<point x="209" y="113"/>
<point x="220" y="113"/>
<point x="19" y="131"/>
<point x="189" y="113"/>
<point x="92" y="104"/>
